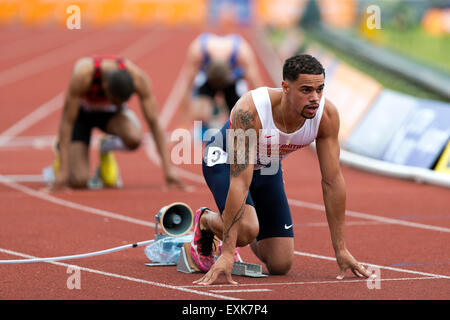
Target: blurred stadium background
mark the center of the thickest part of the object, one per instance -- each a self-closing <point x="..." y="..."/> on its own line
<point x="391" y="83"/>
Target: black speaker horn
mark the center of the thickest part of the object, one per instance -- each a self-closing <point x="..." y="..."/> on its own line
<point x="176" y="219"/>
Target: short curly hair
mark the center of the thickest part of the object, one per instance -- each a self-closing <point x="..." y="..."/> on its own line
<point x="219" y="73"/>
<point x="120" y="84"/>
<point x="301" y="64"/>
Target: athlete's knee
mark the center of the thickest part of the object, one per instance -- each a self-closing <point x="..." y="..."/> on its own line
<point x="132" y="141"/>
<point x="279" y="266"/>
<point x="278" y="259"/>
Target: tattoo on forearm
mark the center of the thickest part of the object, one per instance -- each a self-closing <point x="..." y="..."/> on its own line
<point x="237" y="169"/>
<point x="238" y="216"/>
<point x="243" y="139"/>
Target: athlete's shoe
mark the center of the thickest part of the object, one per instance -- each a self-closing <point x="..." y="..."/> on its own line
<point x="108" y="170"/>
<point x="202" y="244"/>
<point x="237" y="256"/>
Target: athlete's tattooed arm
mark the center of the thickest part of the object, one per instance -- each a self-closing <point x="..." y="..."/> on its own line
<point x="242" y="139"/>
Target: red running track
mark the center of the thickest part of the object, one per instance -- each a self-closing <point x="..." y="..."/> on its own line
<point x="400" y="227"/>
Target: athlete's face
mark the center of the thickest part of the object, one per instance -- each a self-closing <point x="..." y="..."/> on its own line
<point x="305" y="93"/>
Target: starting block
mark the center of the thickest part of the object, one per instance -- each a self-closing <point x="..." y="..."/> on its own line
<point x="186" y="264"/>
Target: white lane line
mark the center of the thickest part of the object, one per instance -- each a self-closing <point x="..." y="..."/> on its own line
<point x="347" y="224"/>
<point x="367" y="216"/>
<point x="240" y="290"/>
<point x="171" y="105"/>
<point x="37" y="115"/>
<point x="316" y="256"/>
<point x="37" y="142"/>
<point x="24" y="177"/>
<point x="122" y="277"/>
<point x="42" y="142"/>
<point x="47" y="197"/>
<point x="295" y="283"/>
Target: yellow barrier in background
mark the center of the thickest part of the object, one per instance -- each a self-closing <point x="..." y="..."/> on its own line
<point x="338" y="14"/>
<point x="284" y="13"/>
<point x="104" y="12"/>
<point x="443" y="164"/>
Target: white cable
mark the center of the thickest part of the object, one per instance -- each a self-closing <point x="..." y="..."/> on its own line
<point x="78" y="256"/>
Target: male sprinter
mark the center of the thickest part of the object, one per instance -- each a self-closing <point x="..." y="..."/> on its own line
<point x="249" y="190"/>
<point x="97" y="91"/>
<point x="218" y="69"/>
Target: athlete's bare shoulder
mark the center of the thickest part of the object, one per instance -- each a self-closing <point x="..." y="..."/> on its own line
<point x="194" y="49"/>
<point x="244" y="114"/>
<point x="329" y="124"/>
<point x="244" y="45"/>
<point x="141" y="79"/>
<point x="83" y="66"/>
<point x="82" y="73"/>
<point x="132" y="68"/>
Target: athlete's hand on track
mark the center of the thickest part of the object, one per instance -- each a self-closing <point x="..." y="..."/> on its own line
<point x="223" y="264"/>
<point x="59" y="184"/>
<point x="346" y="261"/>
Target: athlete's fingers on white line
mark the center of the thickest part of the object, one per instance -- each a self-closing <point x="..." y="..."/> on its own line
<point x="209" y="278"/>
<point x="198" y="280"/>
<point x="341" y="275"/>
<point x="356" y="273"/>
<point x="361" y="271"/>
<point x="203" y="278"/>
